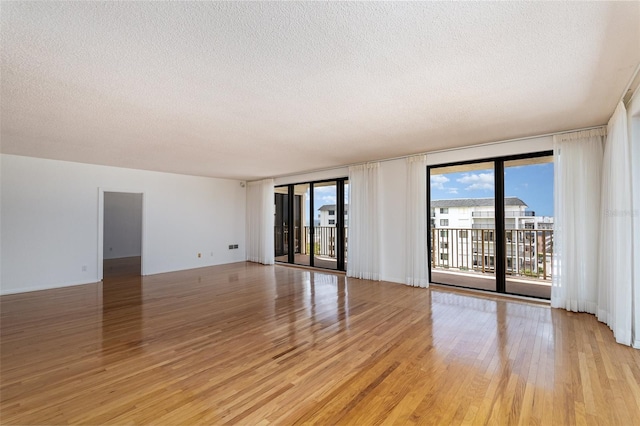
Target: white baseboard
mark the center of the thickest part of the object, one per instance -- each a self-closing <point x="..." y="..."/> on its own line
<point x="44" y="287"/>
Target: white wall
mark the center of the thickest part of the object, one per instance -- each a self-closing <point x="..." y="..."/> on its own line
<point x="49" y="226"/>
<point x="122" y="225"/>
<point x="393" y="184"/>
<point x="338" y="172"/>
<point x="499" y="149"/>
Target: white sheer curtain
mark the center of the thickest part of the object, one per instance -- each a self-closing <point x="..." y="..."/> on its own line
<point x="578" y="165"/>
<point x="260" y="201"/>
<point x="615" y="289"/>
<point x="416" y="222"/>
<point x="633" y="119"/>
<point x="364" y="229"/>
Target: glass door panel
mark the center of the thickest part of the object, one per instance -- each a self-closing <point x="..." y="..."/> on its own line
<point x="302" y="253"/>
<point x="462" y="225"/>
<point x="281" y="224"/>
<point x="325" y="227"/>
<point x="346" y="222"/>
<point x="528" y="222"/>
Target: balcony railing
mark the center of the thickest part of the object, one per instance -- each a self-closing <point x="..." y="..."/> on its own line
<point x="483" y="226"/>
<point x="506" y="214"/>
<point x="324" y="240"/>
<point x="528" y="252"/>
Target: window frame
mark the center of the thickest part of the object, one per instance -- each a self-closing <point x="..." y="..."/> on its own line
<point x="500" y="264"/>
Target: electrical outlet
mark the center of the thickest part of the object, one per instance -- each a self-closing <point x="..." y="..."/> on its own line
<point x="230" y="246"/>
<point x="235" y="246"/>
<point x="199" y="254"/>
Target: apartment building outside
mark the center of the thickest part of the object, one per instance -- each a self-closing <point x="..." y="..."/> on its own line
<point x="327" y="215"/>
<point x="463" y="237"/>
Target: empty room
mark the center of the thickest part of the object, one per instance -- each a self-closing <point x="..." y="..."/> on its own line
<point x="332" y="213"/>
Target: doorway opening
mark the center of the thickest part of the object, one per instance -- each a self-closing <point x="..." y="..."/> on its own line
<point x="122" y="235"/>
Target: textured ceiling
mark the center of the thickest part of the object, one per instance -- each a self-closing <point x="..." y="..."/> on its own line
<point x="248" y="89"/>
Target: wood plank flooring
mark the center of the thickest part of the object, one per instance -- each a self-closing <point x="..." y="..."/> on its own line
<point x="252" y="344"/>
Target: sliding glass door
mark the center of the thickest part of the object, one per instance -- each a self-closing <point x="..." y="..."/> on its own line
<point x="302" y="249"/>
<point x="346" y="222"/>
<point x="327" y="225"/>
<point x="281" y="225"/>
<point x="528" y="223"/>
<point x="318" y="233"/>
<point x="491" y="224"/>
<point x="463" y="223"/>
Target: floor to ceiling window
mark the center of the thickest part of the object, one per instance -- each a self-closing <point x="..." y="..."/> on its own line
<point x="529" y="229"/>
<point x="281" y="225"/>
<point x="318" y="225"/>
<point x="463" y="226"/>
<point x="491" y="224"/>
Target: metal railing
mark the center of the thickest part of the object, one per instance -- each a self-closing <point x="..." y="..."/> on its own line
<point x="324" y="240"/>
<point x="528" y="252"/>
<point x="483" y="226"/>
<point x="506" y="214"/>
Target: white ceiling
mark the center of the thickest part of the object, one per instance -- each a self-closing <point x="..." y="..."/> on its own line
<point x="248" y="89"/>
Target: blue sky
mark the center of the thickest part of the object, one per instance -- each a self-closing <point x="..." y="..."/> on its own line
<point x="325" y="195"/>
<point x="533" y="184"/>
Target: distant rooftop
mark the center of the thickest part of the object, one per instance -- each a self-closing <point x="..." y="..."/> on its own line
<point x="476" y="202"/>
<point x="333" y="207"/>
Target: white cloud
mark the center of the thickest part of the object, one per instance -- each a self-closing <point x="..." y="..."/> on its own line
<point x="438" y="181"/>
<point x="453" y="190"/>
<point x="331" y="189"/>
<point x="477" y="181"/>
<point x="324" y="195"/>
<point x="324" y="200"/>
<point x="480" y="187"/>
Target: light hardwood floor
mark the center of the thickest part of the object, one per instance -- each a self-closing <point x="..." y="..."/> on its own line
<point x="251" y="344"/>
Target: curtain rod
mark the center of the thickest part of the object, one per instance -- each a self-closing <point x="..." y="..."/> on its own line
<point x="440" y="151"/>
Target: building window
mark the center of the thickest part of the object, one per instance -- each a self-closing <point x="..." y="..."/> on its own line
<point x="528" y="225"/>
<point x="462" y="234"/>
<point x="444" y="245"/>
<point x="488" y="235"/>
<point x="444" y="222"/>
<point x="444" y="234"/>
<point x="332" y="212"/>
<point x="332" y="221"/>
<point x="444" y="210"/>
<point x="444" y="256"/>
